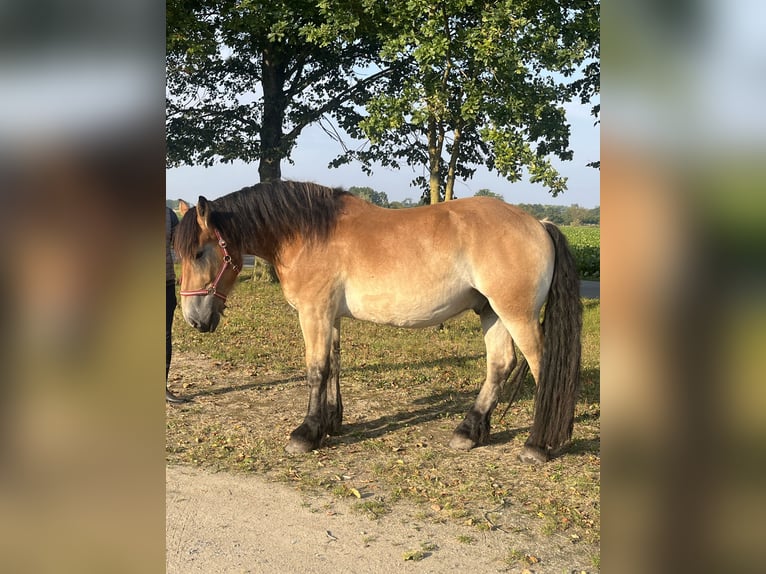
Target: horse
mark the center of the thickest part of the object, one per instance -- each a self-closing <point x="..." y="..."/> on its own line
<point x="337" y="256"/>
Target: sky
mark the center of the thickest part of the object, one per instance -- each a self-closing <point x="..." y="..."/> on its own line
<point x="315" y="149"/>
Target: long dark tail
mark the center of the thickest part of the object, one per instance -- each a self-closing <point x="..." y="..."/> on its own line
<point x="559" y="382"/>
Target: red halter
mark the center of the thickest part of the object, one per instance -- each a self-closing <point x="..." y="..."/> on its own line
<point x="227" y="262"/>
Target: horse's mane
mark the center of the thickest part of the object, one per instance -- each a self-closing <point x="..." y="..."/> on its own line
<point x="273" y="212"/>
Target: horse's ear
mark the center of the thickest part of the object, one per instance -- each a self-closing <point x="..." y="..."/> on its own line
<point x="183" y="207"/>
<point x="203" y="214"/>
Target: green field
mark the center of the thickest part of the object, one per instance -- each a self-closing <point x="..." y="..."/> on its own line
<point x="585" y="243"/>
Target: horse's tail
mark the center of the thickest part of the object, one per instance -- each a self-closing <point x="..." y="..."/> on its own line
<point x="559" y="381"/>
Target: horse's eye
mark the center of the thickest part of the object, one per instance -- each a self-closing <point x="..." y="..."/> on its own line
<point x="199" y="254"/>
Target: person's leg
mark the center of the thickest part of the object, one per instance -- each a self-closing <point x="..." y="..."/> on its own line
<point x="170" y="307"/>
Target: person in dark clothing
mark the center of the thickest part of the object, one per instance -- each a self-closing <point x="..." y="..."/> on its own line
<point x="171" y="221"/>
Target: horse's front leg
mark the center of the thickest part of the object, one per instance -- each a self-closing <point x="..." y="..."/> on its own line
<point x="317" y="335"/>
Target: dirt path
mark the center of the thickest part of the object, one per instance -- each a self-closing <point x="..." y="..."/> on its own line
<point x="221" y="523"/>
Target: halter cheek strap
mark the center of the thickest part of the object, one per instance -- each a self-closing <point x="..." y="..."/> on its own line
<point x="212" y="288"/>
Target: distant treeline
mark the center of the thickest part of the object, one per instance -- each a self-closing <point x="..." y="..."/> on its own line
<point x="558" y="214"/>
<point x="563" y="214"/>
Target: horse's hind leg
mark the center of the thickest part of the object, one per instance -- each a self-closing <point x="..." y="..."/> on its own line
<point x="334" y="403"/>
<point x="529" y="338"/>
<point x="501" y="359"/>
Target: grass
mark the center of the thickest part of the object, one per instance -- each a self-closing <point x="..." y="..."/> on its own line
<point x="372" y="508"/>
<point x="425" y="550"/>
<point x="404" y="391"/>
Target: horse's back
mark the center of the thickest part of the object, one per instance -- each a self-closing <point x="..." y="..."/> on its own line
<point x="473" y="218"/>
<point x="480" y="231"/>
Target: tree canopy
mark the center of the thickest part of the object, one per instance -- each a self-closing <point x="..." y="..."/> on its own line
<point x="375" y="197"/>
<point x="484" y="192"/>
<point x="245" y="77"/>
<point x="445" y="84"/>
<point x="479" y="82"/>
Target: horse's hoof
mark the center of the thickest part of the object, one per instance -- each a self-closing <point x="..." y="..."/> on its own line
<point x="298" y="446"/>
<point x="533" y="455"/>
<point x="461" y="442"/>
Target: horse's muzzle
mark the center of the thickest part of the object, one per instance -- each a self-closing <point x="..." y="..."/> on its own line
<point x="204" y="326"/>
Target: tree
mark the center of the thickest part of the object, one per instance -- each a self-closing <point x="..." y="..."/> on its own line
<point x="593" y="216"/>
<point x="406" y="203"/>
<point x="572" y="215"/>
<point x="245" y="77"/>
<point x="588" y="86"/>
<point x="375" y="197"/>
<point x="487" y="193"/>
<point x="576" y="214"/>
<point x="478" y="82"/>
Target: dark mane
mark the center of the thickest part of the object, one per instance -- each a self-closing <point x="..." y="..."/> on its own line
<point x="264" y="215"/>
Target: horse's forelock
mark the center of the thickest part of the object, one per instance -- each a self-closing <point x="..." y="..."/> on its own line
<point x="187" y="235"/>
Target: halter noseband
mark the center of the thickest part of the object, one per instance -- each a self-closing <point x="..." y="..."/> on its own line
<point x="212" y="288"/>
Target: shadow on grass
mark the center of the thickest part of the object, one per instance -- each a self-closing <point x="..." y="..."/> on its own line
<point x="584" y="446"/>
<point x="377" y="428"/>
<point x="377" y="368"/>
<point x="446" y="404"/>
<point x="247" y="387"/>
<point x="589" y="393"/>
<point x="372" y="369"/>
<point x="452" y="404"/>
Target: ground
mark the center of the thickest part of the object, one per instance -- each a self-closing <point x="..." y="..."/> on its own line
<point x="223" y="522"/>
<point x="385" y="496"/>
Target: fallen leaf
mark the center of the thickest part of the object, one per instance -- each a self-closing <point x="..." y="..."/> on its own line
<point x="531" y="558"/>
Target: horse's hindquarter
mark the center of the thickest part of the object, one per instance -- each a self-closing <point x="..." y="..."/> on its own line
<point x="421" y="266"/>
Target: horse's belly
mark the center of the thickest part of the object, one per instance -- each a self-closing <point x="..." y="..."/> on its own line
<point x="404" y="307"/>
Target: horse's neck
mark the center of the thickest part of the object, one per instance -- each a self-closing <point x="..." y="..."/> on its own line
<point x="256" y="246"/>
<point x="261" y="245"/>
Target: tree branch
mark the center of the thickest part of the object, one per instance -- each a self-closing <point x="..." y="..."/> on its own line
<point x="336" y="101"/>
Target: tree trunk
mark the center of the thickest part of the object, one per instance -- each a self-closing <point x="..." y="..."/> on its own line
<point x="269" y="169"/>
<point x="274" y="104"/>
<point x="273" y="79"/>
<point x="435" y="143"/>
<point x="450" y="184"/>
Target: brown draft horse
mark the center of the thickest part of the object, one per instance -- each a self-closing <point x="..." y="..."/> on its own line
<point x="339" y="256"/>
